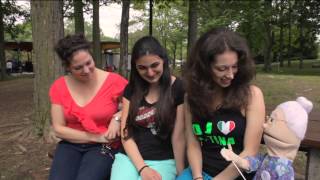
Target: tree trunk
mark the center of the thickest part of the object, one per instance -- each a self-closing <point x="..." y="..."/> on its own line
<point x="268" y="48"/>
<point x="2" y="53"/>
<point x="181" y="51"/>
<point x="78" y="16"/>
<point x="47" y="29"/>
<point x="174" y="54"/>
<point x="289" y="39"/>
<point x="281" y="34"/>
<point x="192" y="23"/>
<point x="268" y="38"/>
<point x="96" y="34"/>
<point x="301" y="35"/>
<point x="150" y="16"/>
<point x="301" y="40"/>
<point x="124" y="38"/>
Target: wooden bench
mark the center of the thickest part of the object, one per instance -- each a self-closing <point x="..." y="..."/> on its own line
<point x="311" y="144"/>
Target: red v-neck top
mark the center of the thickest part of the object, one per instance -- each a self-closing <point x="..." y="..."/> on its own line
<point x="95" y="116"/>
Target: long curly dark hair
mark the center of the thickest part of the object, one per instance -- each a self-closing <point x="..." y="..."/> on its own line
<point x="165" y="111"/>
<point x="202" y="89"/>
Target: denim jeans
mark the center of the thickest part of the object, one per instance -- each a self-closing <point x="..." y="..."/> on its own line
<point x="73" y="161"/>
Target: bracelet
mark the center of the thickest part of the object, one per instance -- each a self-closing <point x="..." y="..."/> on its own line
<point x="139" y="172"/>
<point x="200" y="177"/>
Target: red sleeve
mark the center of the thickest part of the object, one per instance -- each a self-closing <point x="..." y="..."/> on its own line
<point x="54" y="92"/>
<point x="120" y="84"/>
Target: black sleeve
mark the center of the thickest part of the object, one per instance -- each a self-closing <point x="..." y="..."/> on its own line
<point x="178" y="92"/>
<point x="128" y="92"/>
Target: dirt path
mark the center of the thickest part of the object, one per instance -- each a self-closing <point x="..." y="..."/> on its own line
<point x="22" y="155"/>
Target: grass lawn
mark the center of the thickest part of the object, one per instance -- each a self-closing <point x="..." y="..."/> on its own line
<point x="279" y="88"/>
<point x="283" y="84"/>
<point x="294" y="68"/>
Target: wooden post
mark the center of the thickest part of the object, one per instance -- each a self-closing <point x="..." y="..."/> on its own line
<point x="313" y="164"/>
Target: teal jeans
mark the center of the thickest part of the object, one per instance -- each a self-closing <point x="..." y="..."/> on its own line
<point x="123" y="168"/>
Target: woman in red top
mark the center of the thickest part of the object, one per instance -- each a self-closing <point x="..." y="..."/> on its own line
<point x="84" y="107"/>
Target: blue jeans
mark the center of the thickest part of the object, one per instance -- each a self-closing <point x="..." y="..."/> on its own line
<point x="187" y="175"/>
<point x="80" y="162"/>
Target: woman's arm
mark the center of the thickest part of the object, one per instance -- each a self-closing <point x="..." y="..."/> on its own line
<point x="113" y="131"/>
<point x="178" y="139"/>
<point x="255" y="114"/>
<point x="131" y="147"/>
<point x="193" y="147"/>
<point x="69" y="134"/>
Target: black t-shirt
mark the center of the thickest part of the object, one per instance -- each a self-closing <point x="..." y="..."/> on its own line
<point x="223" y="127"/>
<point x="145" y="134"/>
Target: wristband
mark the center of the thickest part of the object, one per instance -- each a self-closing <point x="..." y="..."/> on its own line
<point x="139" y="172"/>
<point x="200" y="177"/>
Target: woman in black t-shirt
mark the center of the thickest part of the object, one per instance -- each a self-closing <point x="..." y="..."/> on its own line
<point x="222" y="106"/>
<point x="152" y="118"/>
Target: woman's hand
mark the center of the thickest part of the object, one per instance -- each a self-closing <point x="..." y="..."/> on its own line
<point x="113" y="131"/>
<point x="150" y="174"/>
<point x="100" y="138"/>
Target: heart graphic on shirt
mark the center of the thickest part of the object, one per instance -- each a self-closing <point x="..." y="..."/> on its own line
<point x="226" y="127"/>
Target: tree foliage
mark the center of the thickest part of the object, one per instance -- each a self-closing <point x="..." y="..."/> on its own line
<point x="169" y="26"/>
<point x="69" y="29"/>
<point x="275" y="26"/>
<point x="10" y="14"/>
<point x="271" y="27"/>
<point x="14" y="13"/>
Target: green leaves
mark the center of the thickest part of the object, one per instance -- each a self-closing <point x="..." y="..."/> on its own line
<point x="14" y="18"/>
